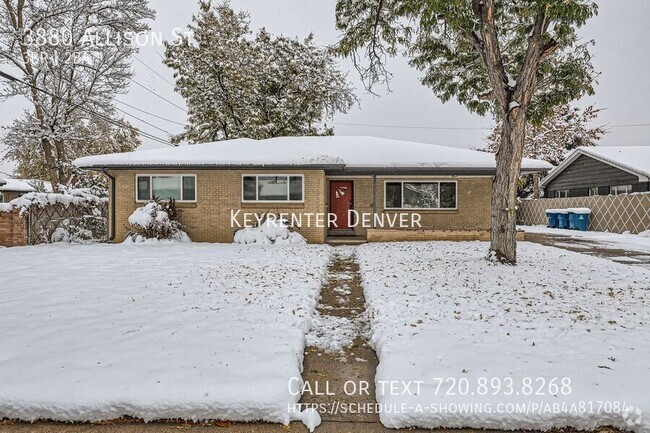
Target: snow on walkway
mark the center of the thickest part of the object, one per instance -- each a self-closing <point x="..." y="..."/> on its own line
<point x="192" y="331"/>
<point x="625" y="241"/>
<point x="559" y="328"/>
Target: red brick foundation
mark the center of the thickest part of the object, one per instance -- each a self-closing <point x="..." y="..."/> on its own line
<point x="13" y="229"/>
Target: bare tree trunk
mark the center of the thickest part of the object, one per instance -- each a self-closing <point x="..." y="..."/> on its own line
<point x="504" y="189"/>
<point x="536" y="194"/>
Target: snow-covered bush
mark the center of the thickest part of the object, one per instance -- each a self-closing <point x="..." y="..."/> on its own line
<point x="157" y="220"/>
<point x="270" y="232"/>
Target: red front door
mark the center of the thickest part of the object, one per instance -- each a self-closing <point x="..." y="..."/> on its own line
<point x="340" y="203"/>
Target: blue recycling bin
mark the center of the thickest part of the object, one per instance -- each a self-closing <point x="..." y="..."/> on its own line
<point x="580" y="218"/>
<point x="573" y="218"/>
<point x="551" y="215"/>
<point x="563" y="219"/>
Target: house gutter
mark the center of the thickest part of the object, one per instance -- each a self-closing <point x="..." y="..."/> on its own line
<point x="374" y="199"/>
<point x="110" y="230"/>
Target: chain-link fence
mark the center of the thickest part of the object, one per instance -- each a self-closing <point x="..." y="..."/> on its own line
<point x="613" y="213"/>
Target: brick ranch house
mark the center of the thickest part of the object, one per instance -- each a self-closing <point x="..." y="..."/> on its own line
<point x="362" y="187"/>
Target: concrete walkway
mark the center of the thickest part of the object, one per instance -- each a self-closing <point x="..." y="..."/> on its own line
<point x="585" y="246"/>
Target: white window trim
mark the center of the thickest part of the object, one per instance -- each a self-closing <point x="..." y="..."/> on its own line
<point x="180" y="177"/>
<point x="256" y="176"/>
<point x="438" y="181"/>
<point x="559" y="192"/>
<point x="628" y="189"/>
<point x="592" y="189"/>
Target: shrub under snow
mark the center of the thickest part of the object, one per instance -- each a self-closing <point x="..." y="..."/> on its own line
<point x="156" y="221"/>
<point x="270" y="232"/>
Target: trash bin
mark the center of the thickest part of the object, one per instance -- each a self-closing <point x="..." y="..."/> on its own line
<point x="581" y="218"/>
<point x="573" y="218"/>
<point x="551" y="216"/>
<point x="562" y="219"/>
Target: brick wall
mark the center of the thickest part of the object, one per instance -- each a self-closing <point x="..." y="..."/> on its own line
<point x="218" y="192"/>
<point x="473" y="202"/>
<point x="13" y="229"/>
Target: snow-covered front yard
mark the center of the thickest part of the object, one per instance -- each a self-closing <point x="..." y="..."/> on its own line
<point x="561" y="339"/>
<point x="191" y="331"/>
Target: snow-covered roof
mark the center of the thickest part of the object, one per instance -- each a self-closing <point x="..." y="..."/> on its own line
<point x="342" y="152"/>
<point x="633" y="159"/>
<point x="24" y="185"/>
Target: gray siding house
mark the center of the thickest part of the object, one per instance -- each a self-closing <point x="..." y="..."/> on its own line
<point x="602" y="170"/>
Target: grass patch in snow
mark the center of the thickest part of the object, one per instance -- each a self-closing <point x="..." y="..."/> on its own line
<point x="440" y="310"/>
<point x="190" y="331"/>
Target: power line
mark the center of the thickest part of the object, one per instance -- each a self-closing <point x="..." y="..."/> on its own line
<point x="159" y="96"/>
<point x="149" y="113"/>
<point x="451" y="128"/>
<point x="631" y="125"/>
<point x="369" y="125"/>
<point x="155" y="72"/>
<point x="89" y="111"/>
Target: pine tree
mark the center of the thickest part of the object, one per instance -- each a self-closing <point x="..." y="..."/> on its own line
<point x="515" y="59"/>
<point x="237" y="84"/>
<point x="567" y="128"/>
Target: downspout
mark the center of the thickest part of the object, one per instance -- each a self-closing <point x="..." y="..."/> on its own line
<point x="110" y="230"/>
<point x="374" y="199"/>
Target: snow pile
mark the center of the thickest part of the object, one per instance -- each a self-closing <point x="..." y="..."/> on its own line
<point x="190" y="331"/>
<point x="560" y="328"/>
<point x="76" y="197"/>
<point x="315" y="151"/>
<point x="156" y="222"/>
<point x="270" y="232"/>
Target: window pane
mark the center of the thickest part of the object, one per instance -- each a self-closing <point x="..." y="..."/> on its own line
<point x="189" y="188"/>
<point x="272" y="188"/>
<point x="250" y="188"/>
<point x="144" y="188"/>
<point x="295" y="188"/>
<point x="166" y="187"/>
<point x="393" y="195"/>
<point x="421" y="195"/>
<point x="448" y="195"/>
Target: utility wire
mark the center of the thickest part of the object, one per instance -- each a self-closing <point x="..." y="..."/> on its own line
<point x="159" y="96"/>
<point x="150" y="114"/>
<point x="369" y="125"/>
<point x="410" y="126"/>
<point x="94" y="113"/>
<point x="154" y="71"/>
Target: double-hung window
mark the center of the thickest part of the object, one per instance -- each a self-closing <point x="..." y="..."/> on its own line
<point x="620" y="189"/>
<point x="273" y="188"/>
<point x="421" y="195"/>
<point x="177" y="187"/>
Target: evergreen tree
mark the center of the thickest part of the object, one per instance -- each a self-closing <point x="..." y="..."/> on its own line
<point x="237" y="84"/>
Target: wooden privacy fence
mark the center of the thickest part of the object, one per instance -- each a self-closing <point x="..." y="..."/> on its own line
<point x="612" y="213"/>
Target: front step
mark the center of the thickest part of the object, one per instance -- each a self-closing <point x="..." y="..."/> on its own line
<point x="345" y="240"/>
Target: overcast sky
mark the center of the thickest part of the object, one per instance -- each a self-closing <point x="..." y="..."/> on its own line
<point x="410" y="111"/>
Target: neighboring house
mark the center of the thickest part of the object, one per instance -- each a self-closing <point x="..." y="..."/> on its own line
<point x="14" y="188"/>
<point x="217" y="184"/>
<point x="601" y="170"/>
